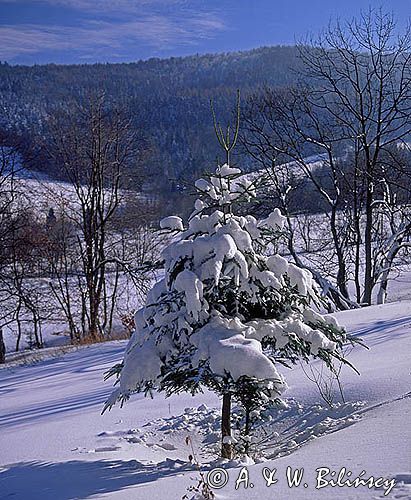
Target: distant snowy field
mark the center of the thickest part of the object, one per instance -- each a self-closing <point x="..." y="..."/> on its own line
<point x="55" y="445"/>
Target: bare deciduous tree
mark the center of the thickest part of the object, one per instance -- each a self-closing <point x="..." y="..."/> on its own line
<point x="351" y="110"/>
<point x="99" y="153"/>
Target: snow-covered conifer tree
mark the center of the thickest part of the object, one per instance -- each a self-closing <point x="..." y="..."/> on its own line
<point x="226" y="313"/>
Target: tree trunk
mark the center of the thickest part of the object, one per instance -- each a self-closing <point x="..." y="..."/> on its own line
<point x="2" y="348"/>
<point x="226" y="448"/>
<point x="247" y="429"/>
<point x="382" y="292"/>
<point x="368" y="278"/>
<point x="342" y="270"/>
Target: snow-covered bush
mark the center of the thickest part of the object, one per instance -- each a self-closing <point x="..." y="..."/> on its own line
<point x="226" y="313"/>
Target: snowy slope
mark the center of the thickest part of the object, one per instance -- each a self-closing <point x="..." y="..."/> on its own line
<point x="55" y="445"/>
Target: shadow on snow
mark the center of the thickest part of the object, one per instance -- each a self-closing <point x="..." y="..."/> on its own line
<point x="79" y="479"/>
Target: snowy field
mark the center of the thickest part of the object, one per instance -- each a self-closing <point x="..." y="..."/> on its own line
<point x="54" y="444"/>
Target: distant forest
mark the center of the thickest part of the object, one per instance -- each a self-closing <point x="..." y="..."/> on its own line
<point x="167" y="100"/>
<point x="327" y="124"/>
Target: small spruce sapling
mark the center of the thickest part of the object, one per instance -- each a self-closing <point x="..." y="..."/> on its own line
<point x="225" y="314"/>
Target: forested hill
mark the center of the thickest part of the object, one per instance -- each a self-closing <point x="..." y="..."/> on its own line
<point x="168" y="99"/>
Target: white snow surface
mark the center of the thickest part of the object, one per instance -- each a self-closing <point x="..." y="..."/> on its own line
<point x="173" y="223"/>
<point x="55" y="445"/>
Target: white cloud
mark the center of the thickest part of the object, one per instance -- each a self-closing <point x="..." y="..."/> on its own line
<point x="115" y="6"/>
<point x="155" y="31"/>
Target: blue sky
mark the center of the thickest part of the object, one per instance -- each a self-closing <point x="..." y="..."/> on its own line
<point x="87" y="31"/>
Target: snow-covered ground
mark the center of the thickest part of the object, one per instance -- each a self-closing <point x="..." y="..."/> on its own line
<point x="54" y="444"/>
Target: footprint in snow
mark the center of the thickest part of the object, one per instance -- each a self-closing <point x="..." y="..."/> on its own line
<point x="101" y="449"/>
<point x="167" y="446"/>
<point x="107" y="448"/>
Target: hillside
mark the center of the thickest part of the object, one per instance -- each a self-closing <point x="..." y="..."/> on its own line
<point x="168" y="100"/>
